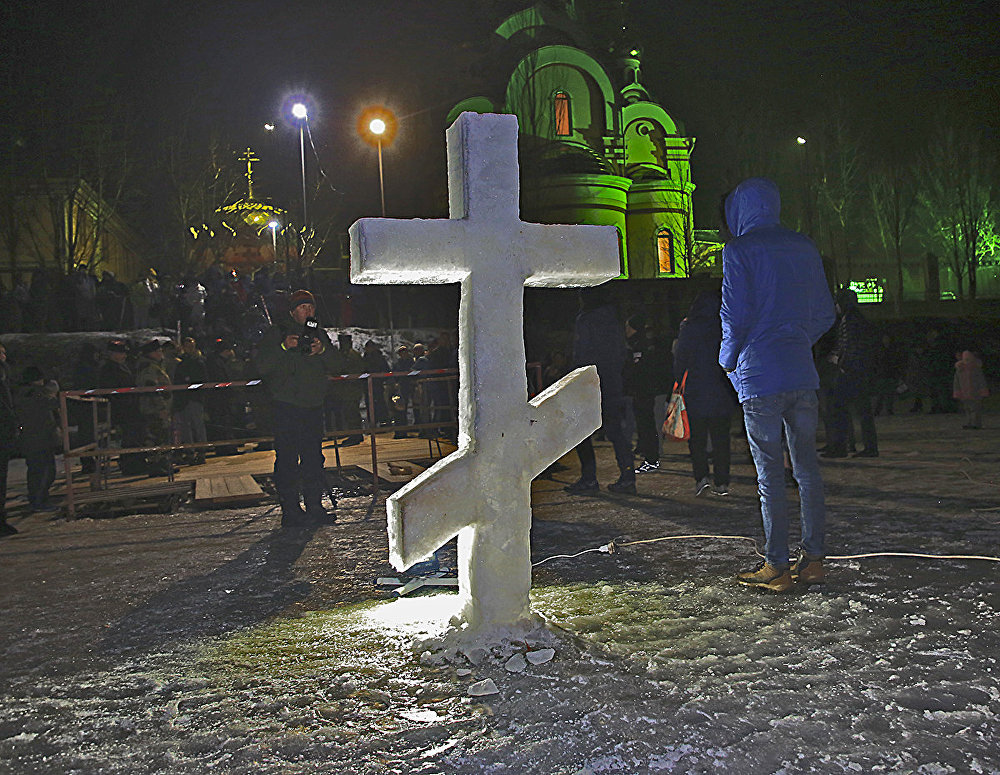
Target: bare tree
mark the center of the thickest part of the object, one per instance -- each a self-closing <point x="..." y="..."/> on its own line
<point x="61" y="198"/>
<point x="840" y="189"/>
<point x="201" y="179"/>
<point x="960" y="197"/>
<point x="893" y="195"/>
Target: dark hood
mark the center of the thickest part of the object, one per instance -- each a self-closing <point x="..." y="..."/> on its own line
<point x="753" y="203"/>
<point x="706" y="306"/>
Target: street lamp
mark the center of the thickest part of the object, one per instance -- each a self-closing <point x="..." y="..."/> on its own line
<point x="800" y="140"/>
<point x="301" y="113"/>
<point x="377" y="128"/>
<point x="273" y="226"/>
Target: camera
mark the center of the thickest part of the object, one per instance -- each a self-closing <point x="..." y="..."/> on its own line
<point x="308" y="336"/>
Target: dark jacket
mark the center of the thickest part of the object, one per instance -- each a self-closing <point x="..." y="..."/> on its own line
<point x="856" y="347"/>
<point x="8" y="416"/>
<point x="37" y="414"/>
<point x="708" y="392"/>
<point x="775" y="300"/>
<point x="191" y="370"/>
<point x="294" y="377"/>
<point x="124" y="408"/>
<point x="374" y="362"/>
<point x="647" y="369"/>
<point x="598" y="340"/>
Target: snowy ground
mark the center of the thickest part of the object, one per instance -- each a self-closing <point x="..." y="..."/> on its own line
<point x="211" y="642"/>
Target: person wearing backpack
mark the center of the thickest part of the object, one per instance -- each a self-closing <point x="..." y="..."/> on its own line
<point x="853" y="386"/>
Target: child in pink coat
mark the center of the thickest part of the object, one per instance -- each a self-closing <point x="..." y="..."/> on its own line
<point x="970" y="388"/>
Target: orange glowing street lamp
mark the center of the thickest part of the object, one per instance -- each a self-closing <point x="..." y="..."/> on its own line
<point x="377" y="126"/>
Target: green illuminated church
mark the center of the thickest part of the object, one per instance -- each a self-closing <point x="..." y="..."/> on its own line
<point x="594" y="148"/>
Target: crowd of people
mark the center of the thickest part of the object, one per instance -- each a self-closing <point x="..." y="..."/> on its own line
<point x="212" y="304"/>
<point x="771" y="343"/>
<point x="198" y="419"/>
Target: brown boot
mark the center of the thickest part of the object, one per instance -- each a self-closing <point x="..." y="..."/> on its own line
<point x="767" y="577"/>
<point x="808" y="570"/>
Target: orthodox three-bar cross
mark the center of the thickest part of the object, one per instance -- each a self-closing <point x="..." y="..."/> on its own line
<point x="482" y="492"/>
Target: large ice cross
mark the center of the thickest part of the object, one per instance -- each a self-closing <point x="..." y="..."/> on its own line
<point x="482" y="492"/>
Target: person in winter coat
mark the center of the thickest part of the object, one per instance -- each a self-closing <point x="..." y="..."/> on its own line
<point x="80" y="413"/>
<point x="295" y="372"/>
<point x="775" y="306"/>
<point x="155" y="406"/>
<point x="598" y="340"/>
<point x="126" y="419"/>
<point x="401" y="390"/>
<point x="853" y="386"/>
<point x="374" y="362"/>
<point x="8" y="439"/>
<point x="227" y="408"/>
<point x="708" y="396"/>
<point x="344" y="397"/>
<point x="646" y="371"/>
<point x="970" y="388"/>
<point x="189" y="407"/>
<point x="38" y="417"/>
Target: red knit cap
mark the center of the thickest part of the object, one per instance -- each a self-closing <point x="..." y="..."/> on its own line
<point x="300" y="297"/>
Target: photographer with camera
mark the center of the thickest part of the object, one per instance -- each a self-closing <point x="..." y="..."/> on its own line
<point x="294" y="359"/>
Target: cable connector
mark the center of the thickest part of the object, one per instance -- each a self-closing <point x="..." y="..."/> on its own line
<point x="608" y="548"/>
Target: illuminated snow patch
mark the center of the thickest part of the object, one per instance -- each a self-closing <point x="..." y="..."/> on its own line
<point x="427" y="615"/>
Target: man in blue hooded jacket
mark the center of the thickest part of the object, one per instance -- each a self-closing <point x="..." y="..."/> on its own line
<point x="775" y="306"/>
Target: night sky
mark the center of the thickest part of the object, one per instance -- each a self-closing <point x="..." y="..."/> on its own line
<point x="223" y="69"/>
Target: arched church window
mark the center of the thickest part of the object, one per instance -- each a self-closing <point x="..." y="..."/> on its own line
<point x="665" y="252"/>
<point x="563" y="117"/>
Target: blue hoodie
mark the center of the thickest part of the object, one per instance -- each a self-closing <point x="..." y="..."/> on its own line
<point x="775" y="299"/>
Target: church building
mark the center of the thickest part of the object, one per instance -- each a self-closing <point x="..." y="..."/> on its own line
<point x="595" y="149"/>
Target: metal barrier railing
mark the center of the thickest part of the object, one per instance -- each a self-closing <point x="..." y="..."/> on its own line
<point x="102" y="454"/>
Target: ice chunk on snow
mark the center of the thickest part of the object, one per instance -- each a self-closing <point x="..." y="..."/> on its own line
<point x="541" y="656"/>
<point x="483" y="688"/>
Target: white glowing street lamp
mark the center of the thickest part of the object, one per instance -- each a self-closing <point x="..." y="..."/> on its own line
<point x="800" y="140"/>
<point x="273" y="226"/>
<point x="301" y="114"/>
<point x="377" y="127"/>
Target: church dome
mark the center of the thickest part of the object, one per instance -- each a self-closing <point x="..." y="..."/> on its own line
<point x="565" y="159"/>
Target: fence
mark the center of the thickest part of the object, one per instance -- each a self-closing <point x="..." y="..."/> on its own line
<point x="100" y="450"/>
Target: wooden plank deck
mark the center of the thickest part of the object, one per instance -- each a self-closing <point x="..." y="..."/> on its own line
<point x="251" y="463"/>
<point x="227" y="490"/>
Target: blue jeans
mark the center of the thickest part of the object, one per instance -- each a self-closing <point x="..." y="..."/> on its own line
<point x="796" y="411"/>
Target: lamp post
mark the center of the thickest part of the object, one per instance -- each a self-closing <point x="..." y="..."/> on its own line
<point x="377" y="127"/>
<point x="804" y="171"/>
<point x="273" y="226"/>
<point x="301" y="114"/>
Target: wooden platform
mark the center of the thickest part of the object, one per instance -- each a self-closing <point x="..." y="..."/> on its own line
<point x="253" y="462"/>
<point x="396" y="472"/>
<point x="227" y="490"/>
<point x="140" y="492"/>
